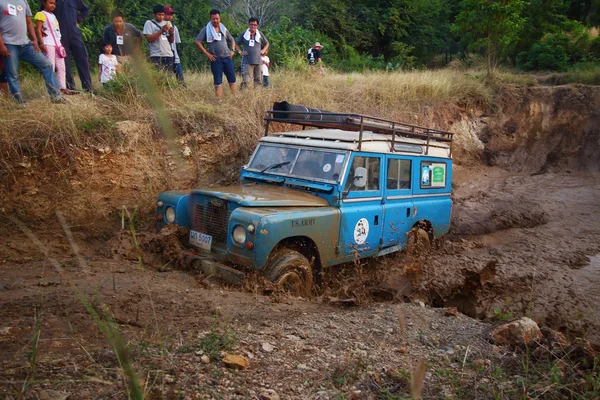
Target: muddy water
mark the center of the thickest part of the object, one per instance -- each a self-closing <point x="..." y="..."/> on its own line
<point x="525" y="244"/>
<point x="588" y="283"/>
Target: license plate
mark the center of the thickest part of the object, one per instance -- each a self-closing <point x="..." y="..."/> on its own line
<point x="201" y="240"/>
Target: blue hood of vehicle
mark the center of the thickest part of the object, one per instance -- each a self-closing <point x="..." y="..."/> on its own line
<point x="252" y="195"/>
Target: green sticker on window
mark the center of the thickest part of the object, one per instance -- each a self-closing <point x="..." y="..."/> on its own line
<point x="438" y="175"/>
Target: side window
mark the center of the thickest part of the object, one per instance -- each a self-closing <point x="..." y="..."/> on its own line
<point x="371" y="164"/>
<point x="398" y="174"/>
<point x="433" y="175"/>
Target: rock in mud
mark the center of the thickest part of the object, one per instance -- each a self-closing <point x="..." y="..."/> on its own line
<point x="205" y="360"/>
<point x="451" y="312"/>
<point x="235" y="362"/>
<point x="268" y="394"/>
<point x="267" y="347"/>
<point x="521" y="331"/>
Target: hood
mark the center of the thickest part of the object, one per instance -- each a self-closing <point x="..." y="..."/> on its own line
<point x="252" y="195"/>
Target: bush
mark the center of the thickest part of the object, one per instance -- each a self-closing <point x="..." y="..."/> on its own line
<point x="544" y="57"/>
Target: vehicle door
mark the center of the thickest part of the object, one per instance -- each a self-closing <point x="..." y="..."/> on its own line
<point x="361" y="208"/>
<point x="398" y="202"/>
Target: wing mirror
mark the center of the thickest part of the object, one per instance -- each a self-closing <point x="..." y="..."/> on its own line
<point x="360" y="177"/>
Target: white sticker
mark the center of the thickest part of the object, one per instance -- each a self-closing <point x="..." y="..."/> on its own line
<point x="218" y="37"/>
<point x="361" y="231"/>
<point x="119" y="39"/>
<point x="251" y="43"/>
<point x="326" y="167"/>
<point x="12" y="9"/>
<point x="339" y="159"/>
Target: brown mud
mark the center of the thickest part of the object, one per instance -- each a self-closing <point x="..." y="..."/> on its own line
<point x="525" y="239"/>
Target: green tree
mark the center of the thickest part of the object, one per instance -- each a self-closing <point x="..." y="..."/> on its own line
<point x="491" y="26"/>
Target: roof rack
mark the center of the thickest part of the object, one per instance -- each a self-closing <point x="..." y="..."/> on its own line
<point x="311" y="117"/>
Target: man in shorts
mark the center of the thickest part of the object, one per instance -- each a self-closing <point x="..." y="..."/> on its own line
<point x="219" y="54"/>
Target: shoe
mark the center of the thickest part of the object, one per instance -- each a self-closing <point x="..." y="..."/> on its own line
<point x="69" y="92"/>
<point x="62" y="100"/>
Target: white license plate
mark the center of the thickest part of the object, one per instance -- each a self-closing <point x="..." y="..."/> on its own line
<point x="201" y="240"/>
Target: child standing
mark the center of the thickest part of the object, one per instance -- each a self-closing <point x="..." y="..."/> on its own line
<point x="107" y="64"/>
<point x="265" y="68"/>
<point x="48" y="33"/>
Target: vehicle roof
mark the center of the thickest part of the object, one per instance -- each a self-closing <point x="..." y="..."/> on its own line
<point x="348" y="140"/>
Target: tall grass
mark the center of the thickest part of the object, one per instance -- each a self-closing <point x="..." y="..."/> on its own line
<point x="89" y="120"/>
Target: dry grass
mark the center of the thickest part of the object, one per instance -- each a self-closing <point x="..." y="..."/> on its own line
<point x="194" y="110"/>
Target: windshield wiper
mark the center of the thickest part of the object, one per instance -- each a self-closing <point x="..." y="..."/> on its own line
<point x="278" y="165"/>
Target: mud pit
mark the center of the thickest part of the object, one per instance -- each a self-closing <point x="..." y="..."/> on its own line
<point x="522" y="244"/>
<point x="525" y="242"/>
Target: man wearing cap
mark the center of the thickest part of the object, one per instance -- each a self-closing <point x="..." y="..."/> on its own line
<point x="160" y="35"/>
<point x="255" y="46"/>
<point x="169" y="14"/>
<point x="219" y="54"/>
<point x="69" y="14"/>
<point x="124" y="37"/>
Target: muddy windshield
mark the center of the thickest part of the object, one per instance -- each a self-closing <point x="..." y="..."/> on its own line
<point x="313" y="164"/>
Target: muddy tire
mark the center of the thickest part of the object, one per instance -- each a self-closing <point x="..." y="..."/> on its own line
<point x="291" y="271"/>
<point x="418" y="242"/>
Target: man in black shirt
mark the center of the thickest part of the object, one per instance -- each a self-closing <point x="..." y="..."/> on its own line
<point x="314" y="57"/>
<point x="69" y="13"/>
<point x="124" y="37"/>
<point x="314" y="54"/>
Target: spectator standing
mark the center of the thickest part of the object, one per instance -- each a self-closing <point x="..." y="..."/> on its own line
<point x="255" y="46"/>
<point x="70" y="13"/>
<point x="15" y="24"/>
<point x="169" y="14"/>
<point x="160" y="36"/>
<point x="314" y="57"/>
<point x="3" y="80"/>
<point x="107" y="64"/>
<point x="48" y="35"/>
<point x="266" y="63"/>
<point x="125" y="38"/>
<point x="219" y="54"/>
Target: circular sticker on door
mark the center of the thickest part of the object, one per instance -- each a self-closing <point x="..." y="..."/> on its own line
<point x="326" y="167"/>
<point x="361" y="231"/>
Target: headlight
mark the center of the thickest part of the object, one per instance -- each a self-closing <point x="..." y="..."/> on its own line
<point x="170" y="214"/>
<point x="160" y="203"/>
<point x="239" y="234"/>
<point x="250" y="228"/>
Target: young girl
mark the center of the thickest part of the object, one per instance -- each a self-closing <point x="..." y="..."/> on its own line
<point x="107" y="63"/>
<point x="48" y="33"/>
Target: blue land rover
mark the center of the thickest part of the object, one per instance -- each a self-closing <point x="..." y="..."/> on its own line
<point x="344" y="187"/>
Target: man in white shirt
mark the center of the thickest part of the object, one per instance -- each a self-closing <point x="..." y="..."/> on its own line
<point x="160" y="35"/>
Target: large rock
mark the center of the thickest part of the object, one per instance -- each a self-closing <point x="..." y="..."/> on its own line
<point x="235" y="362"/>
<point x="520" y="331"/>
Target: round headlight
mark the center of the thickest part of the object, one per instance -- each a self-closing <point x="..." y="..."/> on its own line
<point x="160" y="203"/>
<point x="239" y="234"/>
<point x="170" y="214"/>
<point x="250" y="228"/>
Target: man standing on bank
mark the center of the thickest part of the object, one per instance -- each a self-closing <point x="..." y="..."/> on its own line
<point x="160" y="35"/>
<point x="124" y="37"/>
<point x="15" y="46"/>
<point x="255" y="46"/>
<point x="216" y="35"/>
<point x="70" y="13"/>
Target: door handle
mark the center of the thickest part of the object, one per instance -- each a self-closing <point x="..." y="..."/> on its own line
<point x="376" y="220"/>
<point x="408" y="212"/>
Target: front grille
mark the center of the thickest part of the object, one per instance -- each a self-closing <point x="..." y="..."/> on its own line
<point x="212" y="219"/>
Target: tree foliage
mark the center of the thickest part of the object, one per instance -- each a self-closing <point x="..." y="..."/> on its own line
<point x="383" y="34"/>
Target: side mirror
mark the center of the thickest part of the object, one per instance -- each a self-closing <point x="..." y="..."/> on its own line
<point x="360" y="177"/>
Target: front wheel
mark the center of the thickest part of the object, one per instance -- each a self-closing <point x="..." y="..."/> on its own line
<point x="418" y="242"/>
<point x="291" y="271"/>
